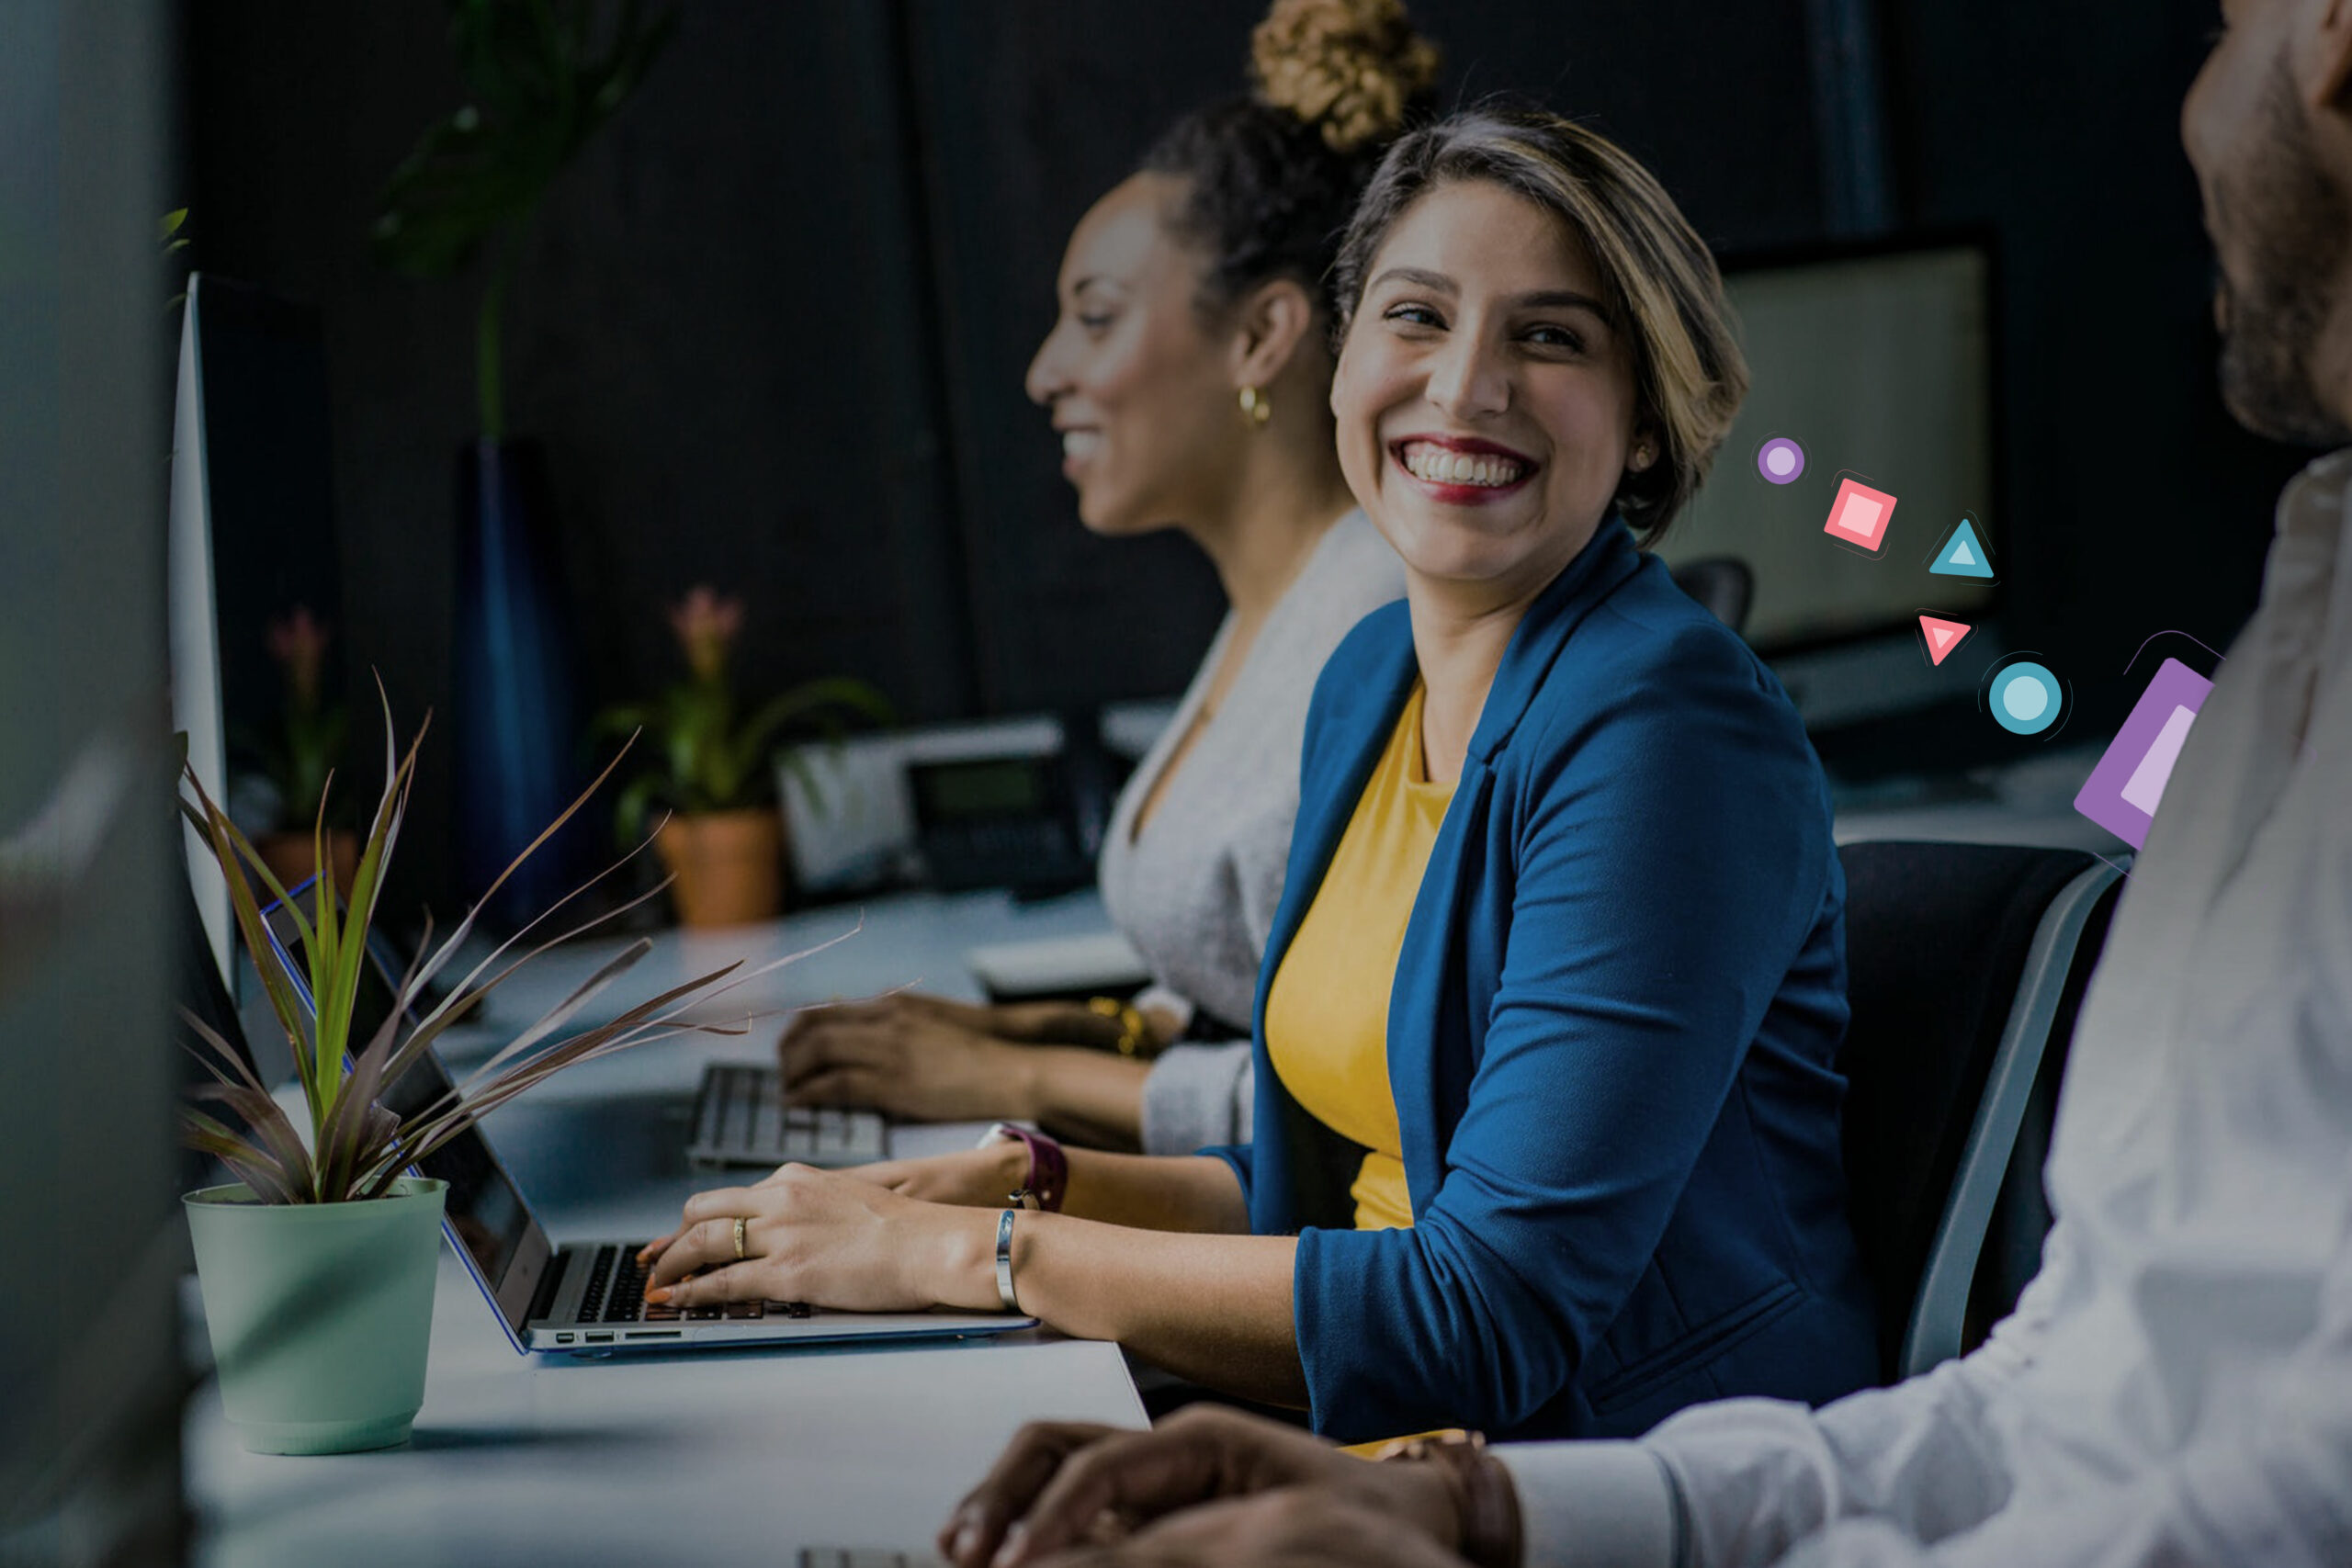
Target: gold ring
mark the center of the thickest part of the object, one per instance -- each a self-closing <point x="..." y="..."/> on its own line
<point x="740" y="1222"/>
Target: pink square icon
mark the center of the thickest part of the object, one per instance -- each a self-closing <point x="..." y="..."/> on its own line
<point x="1860" y="515"/>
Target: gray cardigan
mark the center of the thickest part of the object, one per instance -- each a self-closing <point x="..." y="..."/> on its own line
<point x="1196" y="891"/>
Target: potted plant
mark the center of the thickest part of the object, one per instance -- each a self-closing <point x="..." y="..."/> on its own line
<point x="317" y="1264"/>
<point x="303" y="753"/>
<point x="723" y="843"/>
<point x="542" y="79"/>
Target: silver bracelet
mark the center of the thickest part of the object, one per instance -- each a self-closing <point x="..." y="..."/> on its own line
<point x="1004" y="1261"/>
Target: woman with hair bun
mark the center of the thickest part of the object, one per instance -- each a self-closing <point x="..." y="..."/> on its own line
<point x="1188" y="377"/>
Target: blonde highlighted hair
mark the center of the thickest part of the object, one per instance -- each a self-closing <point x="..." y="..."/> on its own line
<point x="1660" y="281"/>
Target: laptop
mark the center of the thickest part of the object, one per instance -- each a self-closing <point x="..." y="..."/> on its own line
<point x="584" y="1299"/>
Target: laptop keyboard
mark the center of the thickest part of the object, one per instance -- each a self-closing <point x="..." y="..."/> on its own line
<point x="615" y="1293"/>
<point x="743" y="1111"/>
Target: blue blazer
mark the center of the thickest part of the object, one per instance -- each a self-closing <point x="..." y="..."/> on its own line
<point x="1610" y="1042"/>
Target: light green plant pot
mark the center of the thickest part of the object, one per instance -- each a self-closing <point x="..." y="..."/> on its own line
<point x="320" y="1313"/>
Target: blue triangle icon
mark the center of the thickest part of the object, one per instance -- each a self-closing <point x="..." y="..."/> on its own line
<point x="1964" y="554"/>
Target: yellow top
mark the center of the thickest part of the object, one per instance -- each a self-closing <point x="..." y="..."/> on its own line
<point x="1327" y="1014"/>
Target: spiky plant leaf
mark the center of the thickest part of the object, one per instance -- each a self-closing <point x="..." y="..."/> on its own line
<point x="358" y="1147"/>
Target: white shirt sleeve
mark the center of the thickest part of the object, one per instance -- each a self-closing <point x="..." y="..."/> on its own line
<point x="2273" y="1485"/>
<point x="1743" y="1480"/>
<point x="1592" y="1505"/>
<point x="1915" y="1477"/>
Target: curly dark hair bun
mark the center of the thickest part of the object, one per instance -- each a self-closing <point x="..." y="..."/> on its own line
<point x="1272" y="177"/>
<point x="1349" y="68"/>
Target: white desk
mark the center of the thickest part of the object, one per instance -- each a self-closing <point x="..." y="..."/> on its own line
<point x="733" y="1457"/>
<point x="744" y="1456"/>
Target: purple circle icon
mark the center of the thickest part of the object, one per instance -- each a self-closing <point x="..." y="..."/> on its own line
<point x="1779" y="460"/>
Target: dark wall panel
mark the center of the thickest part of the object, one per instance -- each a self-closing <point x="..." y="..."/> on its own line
<point x="772" y="326"/>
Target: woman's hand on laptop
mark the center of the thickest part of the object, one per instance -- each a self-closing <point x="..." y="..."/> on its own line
<point x="828" y="1238"/>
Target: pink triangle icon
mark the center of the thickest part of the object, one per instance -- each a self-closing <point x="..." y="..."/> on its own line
<point x="1942" y="636"/>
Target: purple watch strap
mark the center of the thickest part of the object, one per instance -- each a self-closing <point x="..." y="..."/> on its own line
<point x="1048" y="1167"/>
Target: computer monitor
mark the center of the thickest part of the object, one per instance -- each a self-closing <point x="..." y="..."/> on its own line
<point x="252" y="539"/>
<point x="1878" y="362"/>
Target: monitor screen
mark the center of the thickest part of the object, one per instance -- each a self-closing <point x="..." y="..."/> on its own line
<point x="254" y="573"/>
<point x="1879" y="366"/>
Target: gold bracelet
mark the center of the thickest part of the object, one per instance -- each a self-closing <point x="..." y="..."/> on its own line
<point x="1134" y="1035"/>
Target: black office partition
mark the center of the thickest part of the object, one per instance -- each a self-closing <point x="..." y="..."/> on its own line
<point x="89" y="1343"/>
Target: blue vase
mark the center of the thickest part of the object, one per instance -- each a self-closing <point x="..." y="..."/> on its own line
<point x="515" y="707"/>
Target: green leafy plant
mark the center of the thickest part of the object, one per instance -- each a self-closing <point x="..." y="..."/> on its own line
<point x="711" y="760"/>
<point x="356" y="1147"/>
<point x="544" y="76"/>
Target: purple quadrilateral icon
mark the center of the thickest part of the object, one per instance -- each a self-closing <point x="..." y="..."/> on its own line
<point x="2121" y="794"/>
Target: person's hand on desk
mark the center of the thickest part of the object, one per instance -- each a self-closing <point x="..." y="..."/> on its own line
<point x="926" y="1059"/>
<point x="829" y="1238"/>
<point x="1208" y="1485"/>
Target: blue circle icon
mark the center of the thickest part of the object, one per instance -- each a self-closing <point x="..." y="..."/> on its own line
<point x="2027" y="698"/>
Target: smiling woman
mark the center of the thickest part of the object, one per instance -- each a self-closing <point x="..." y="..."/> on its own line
<point x="1547" y="1121"/>
<point x="1555" y="1000"/>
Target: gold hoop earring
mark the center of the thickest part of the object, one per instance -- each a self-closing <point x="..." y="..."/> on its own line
<point x="1256" y="407"/>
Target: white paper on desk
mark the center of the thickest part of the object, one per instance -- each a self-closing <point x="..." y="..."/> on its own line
<point x="1100" y="961"/>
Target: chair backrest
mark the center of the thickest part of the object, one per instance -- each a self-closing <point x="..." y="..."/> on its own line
<point x="1958" y="960"/>
<point x="1723" y="583"/>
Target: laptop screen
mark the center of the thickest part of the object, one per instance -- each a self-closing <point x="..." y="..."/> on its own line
<point x="484" y="1208"/>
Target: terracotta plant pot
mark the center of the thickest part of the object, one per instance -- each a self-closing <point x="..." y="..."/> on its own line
<point x="288" y="857"/>
<point x="728" y="865"/>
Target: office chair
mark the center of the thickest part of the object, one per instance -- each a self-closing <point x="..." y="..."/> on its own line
<point x="1723" y="583"/>
<point x="1964" y="962"/>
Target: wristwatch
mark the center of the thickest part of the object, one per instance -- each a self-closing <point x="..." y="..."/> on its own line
<point x="1048" y="1180"/>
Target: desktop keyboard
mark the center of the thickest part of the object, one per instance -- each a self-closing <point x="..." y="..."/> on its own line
<point x="862" y="1557"/>
<point x="741" y="1118"/>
